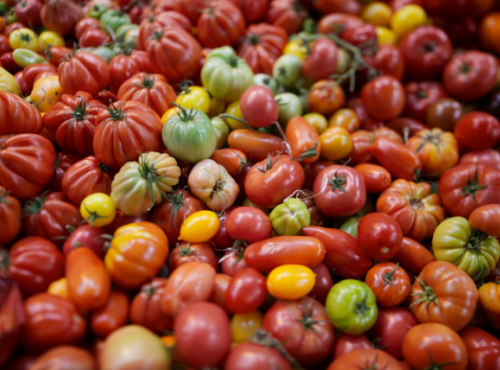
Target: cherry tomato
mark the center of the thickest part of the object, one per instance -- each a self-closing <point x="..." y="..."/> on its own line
<point x="377" y="178"/>
<point x="249" y="224"/>
<point x="194" y="97"/>
<point x="380" y="236"/>
<point x="345" y="118"/>
<point x="383" y="98"/>
<point x="246" y="292"/>
<point x="318" y="121"/>
<point x="389" y="282"/>
<point x="98" y="209"/>
<point x="335" y="143"/>
<point x="407" y="18"/>
<point x="199" y="227"/>
<point x="290" y="282"/>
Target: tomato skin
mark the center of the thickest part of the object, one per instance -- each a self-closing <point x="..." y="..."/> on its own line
<point x="246" y="292"/>
<point x="482" y="347"/>
<point x="389" y="60"/>
<point x="346" y="343"/>
<point x="307" y="343"/>
<point x="343" y="253"/>
<point x="218" y="295"/>
<point x="485" y="219"/>
<point x="489" y="157"/>
<point x="70" y="357"/>
<point x="441" y="346"/>
<point x="247" y="356"/>
<point x="321" y="62"/>
<point x="334" y="21"/>
<point x="323" y="283"/>
<point x="84" y="72"/>
<point x="477" y="130"/>
<point x="35" y="263"/>
<point x="86" y="236"/>
<point x="383" y="98"/>
<point x="188" y="252"/>
<point x="401" y="124"/>
<point x="420" y="96"/>
<point x="51" y="321"/>
<point x="207" y="323"/>
<point x="283" y="250"/>
<point x="389" y="282"/>
<point x="26" y="117"/>
<point x="413" y="256"/>
<point x="145" y="309"/>
<point x="233" y="261"/>
<point x="376" y="178"/>
<point x="312" y="170"/>
<point x="454" y="290"/>
<point x="111" y="316"/>
<point x="249" y="224"/>
<point x="380" y="236"/>
<point x="258" y="106"/>
<point x="361" y="358"/>
<point x="326" y="97"/>
<point x="283" y="13"/>
<point x="489" y="301"/>
<point x="10" y="216"/>
<point x="124" y="67"/>
<point x="255" y="144"/>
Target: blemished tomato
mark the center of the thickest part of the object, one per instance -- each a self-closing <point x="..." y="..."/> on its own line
<point x="199" y="227"/>
<point x="485" y="219"/>
<point x="482" y="347"/>
<point x="243" y="326"/>
<point x="477" y="130"/>
<point x="380" y="236"/>
<point x="365" y="359"/>
<point x="290" y="282"/>
<point x="111" y="316"/>
<point x="249" y="224"/>
<point x="98" y="209"/>
<point x="246" y="292"/>
<point x="383" y="98"/>
<point x="326" y="97"/>
<point x="389" y="282"/>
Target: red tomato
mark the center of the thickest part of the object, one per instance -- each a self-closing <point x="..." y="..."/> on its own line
<point x="222" y="239"/>
<point x="233" y="261"/>
<point x="482" y="347"/>
<point x="84" y="72"/>
<point x="346" y="343"/>
<point x="61" y="16"/>
<point x="188" y="252"/>
<point x="94" y="37"/>
<point x="312" y="170"/>
<point x="303" y="139"/>
<point x="218" y="295"/>
<point x="413" y="256"/>
<point x="256" y="145"/>
<point x="340" y="191"/>
<point x="254" y="10"/>
<point x="420" y="96"/>
<point x="321" y="61"/>
<point x="362" y="35"/>
<point x="323" y="283"/>
<point x="164" y="19"/>
<point x="377" y="178"/>
<point x="56" y="54"/>
<point x="31" y="72"/>
<point x="389" y="282"/>
<point x="335" y="22"/>
<point x="489" y="157"/>
<point x="246" y="292"/>
<point x="249" y="224"/>
<point x="404" y="124"/>
<point x="258" y="106"/>
<point x="383" y="98"/>
<point x="249" y="355"/>
<point x="388" y="59"/>
<point x="10" y="216"/>
<point x="485" y="219"/>
<point x="64" y="161"/>
<point x="70" y="357"/>
<point x="111" y="316"/>
<point x="34" y="263"/>
<point x="124" y="67"/>
<point x="380" y="236"/>
<point x="288" y="14"/>
<point x="477" y="130"/>
<point x="87" y="236"/>
<point x="365" y="359"/>
<point x="18" y="115"/>
<point x="85" y="24"/>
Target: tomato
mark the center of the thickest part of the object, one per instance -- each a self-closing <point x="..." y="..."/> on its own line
<point x="470" y="75"/>
<point x="199" y="227"/>
<point x="489" y="157"/>
<point x="482" y="347"/>
<point x="290" y="105"/>
<point x="326" y="97"/>
<point x="246" y="292"/>
<point x="28" y="12"/>
<point x="420" y="96"/>
<point x="287" y="14"/>
<point x="26" y="116"/>
<point x="389" y="60"/>
<point x="345" y="118"/>
<point x="407" y="18"/>
<point x="10" y="216"/>
<point x="258" y="106"/>
<point x="24" y="38"/>
<point x="249" y="224"/>
<point x="56" y="54"/>
<point x="290" y="281"/>
<point x="351" y="307"/>
<point x="321" y="60"/>
<point x="346" y="343"/>
<point x="98" y="209"/>
<point x="249" y="355"/>
<point x="186" y="252"/>
<point x="340" y="191"/>
<point x="335" y="143"/>
<point x="243" y="326"/>
<point x="343" y="252"/>
<point x="13" y="84"/>
<point x="485" y="218"/>
<point x="477" y="130"/>
<point x="383" y="98"/>
<point x="489" y="302"/>
<point x="232" y="261"/>
<point x="444" y="294"/>
<point x="380" y="236"/>
<point x="125" y="67"/>
<point x="51" y="321"/>
<point x="84" y="72"/>
<point x="86" y="236"/>
<point x="255" y="144"/>
<point x="389" y="282"/>
<point x="268" y="254"/>
<point x="218" y="295"/>
<point x="335" y="22"/>
<point x="428" y="345"/>
<point x="444" y="114"/>
<point x="65" y="356"/>
<point x="202" y="323"/>
<point x="35" y="263"/>
<point x="46" y="93"/>
<point x="376" y="178"/>
<point x="365" y="359"/>
<point x="145" y="309"/>
<point x="137" y="253"/>
<point x="194" y="97"/>
<point x="26" y="164"/>
<point x="233" y="160"/>
<point x="465" y="187"/>
<point x="49" y="39"/>
<point x="385" y="36"/>
<point x="111" y="316"/>
<point x="61" y="17"/>
<point x="290" y="217"/>
<point x="323" y="283"/>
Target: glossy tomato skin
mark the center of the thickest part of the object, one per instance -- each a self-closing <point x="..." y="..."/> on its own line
<point x="340" y="191"/>
<point x="19" y="116"/>
<point x="444" y="114"/>
<point x="343" y="253"/>
<point x="35" y="263"/>
<point x="10" y="216"/>
<point x="383" y="97"/>
<point x="84" y="72"/>
<point x="65" y="356"/>
<point x="268" y="254"/>
<point x="248" y="356"/>
<point x="249" y="224"/>
<point x="283" y="13"/>
<point x="489" y="157"/>
<point x="322" y="284"/>
<point x="258" y="106"/>
<point x="218" y="295"/>
<point x="401" y="124"/>
<point x="204" y="326"/>
<point x="111" y="316"/>
<point x="489" y="301"/>
<point x="389" y="60"/>
<point x="191" y="252"/>
<point x="477" y="130"/>
<point x="346" y="343"/>
<point x="420" y="96"/>
<point x="124" y="67"/>
<point x="255" y="144"/>
<point x="322" y="60"/>
<point x="485" y="219"/>
<point x="303" y="139"/>
<point x="312" y="170"/>
<point x="363" y="358"/>
<point x="246" y="292"/>
<point x="482" y="347"/>
<point x="51" y="321"/>
<point x="87" y="236"/>
<point x="308" y="342"/>
<point x="377" y="178"/>
<point x="64" y="161"/>
<point x="232" y="261"/>
<point x="413" y="256"/>
<point x="380" y="236"/>
<point x="389" y="282"/>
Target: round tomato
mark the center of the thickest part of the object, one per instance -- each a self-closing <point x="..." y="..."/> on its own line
<point x="389" y="282"/>
<point x="65" y="356"/>
<point x="244" y="326"/>
<point x="383" y="97"/>
<point x="326" y="97"/>
<point x="346" y="343"/>
<point x="188" y="252"/>
<point x="290" y="217"/>
<point x="249" y="224"/>
<point x="336" y="143"/>
<point x="98" y="209"/>
<point x="258" y="106"/>
<point x="380" y="236"/>
<point x="246" y="292"/>
<point x="123" y="67"/>
<point x="482" y="347"/>
<point x="254" y="356"/>
<point x="113" y="315"/>
<point x="477" y="130"/>
<point x="321" y="60"/>
<point x="365" y="359"/>
<point x="444" y="114"/>
<point x="489" y="301"/>
<point x="485" y="219"/>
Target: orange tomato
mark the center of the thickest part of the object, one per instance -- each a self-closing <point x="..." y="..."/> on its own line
<point x="112" y="316"/>
<point x="326" y="97"/>
<point x="345" y="118"/>
<point x="336" y="143"/>
<point x="303" y="140"/>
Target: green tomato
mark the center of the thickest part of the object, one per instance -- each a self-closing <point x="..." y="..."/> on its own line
<point x="190" y="136"/>
<point x="287" y="70"/>
<point x="225" y="75"/>
<point x="289" y="106"/>
<point x="102" y="51"/>
<point x="472" y="251"/>
<point x="262" y="79"/>
<point x="221" y="132"/>
<point x="114" y="19"/>
<point x="290" y="217"/>
<point x="351" y="226"/>
<point x="351" y="306"/>
<point x="97" y="11"/>
<point x="25" y="57"/>
<point x="122" y="30"/>
<point x="131" y="38"/>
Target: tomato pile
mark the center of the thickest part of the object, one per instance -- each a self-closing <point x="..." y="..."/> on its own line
<point x="249" y="184"/>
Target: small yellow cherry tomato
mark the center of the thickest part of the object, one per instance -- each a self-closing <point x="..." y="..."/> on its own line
<point x="318" y="121"/>
<point x="169" y="113"/>
<point x="46" y="93"/>
<point x="234" y="110"/>
<point x="290" y="282"/>
<point x="200" y="227"/>
<point x="345" y="118"/>
<point x="24" y="38"/>
<point x="59" y="287"/>
<point x="48" y="39"/>
<point x="248" y="203"/>
<point x="195" y="97"/>
<point x="9" y="82"/>
<point x="243" y="326"/>
<point x="297" y="48"/>
<point x="98" y="209"/>
<point x="336" y="143"/>
<point x="407" y="18"/>
<point x="385" y="36"/>
<point x="377" y="13"/>
<point x="216" y="107"/>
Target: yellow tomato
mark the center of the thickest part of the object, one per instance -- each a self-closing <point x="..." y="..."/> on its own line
<point x="335" y="143"/>
<point x="169" y="113"/>
<point x="194" y="97"/>
<point x="377" y="13"/>
<point x="46" y="93"/>
<point x="297" y="48"/>
<point x="216" y="107"/>
<point x="407" y="18"/>
<point x="98" y="209"/>
<point x="200" y="227"/>
<point x="243" y="326"/>
<point x="318" y="121"/>
<point x="234" y="110"/>
<point x="169" y="341"/>
<point x="48" y="39"/>
<point x="290" y="282"/>
<point x="248" y="203"/>
<point x="24" y="38"/>
<point x="385" y="36"/>
<point x="9" y="82"/>
<point x="59" y="287"/>
<point x="345" y="118"/>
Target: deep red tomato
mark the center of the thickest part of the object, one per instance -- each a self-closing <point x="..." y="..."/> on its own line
<point x="84" y="72"/>
<point x="35" y="263"/>
<point x="340" y="191"/>
<point x="164" y="19"/>
<point x="256" y="145"/>
<point x="249" y="355"/>
<point x="18" y="117"/>
<point x="111" y="316"/>
<point x="380" y="236"/>
<point x="425" y="50"/>
<point x="482" y="347"/>
<point x="288" y="14"/>
<point x="191" y="10"/>
<point x="365" y="359"/>
<point x="28" y="12"/>
<point x="489" y="157"/>
<point x="389" y="282"/>
<point x="56" y="54"/>
<point x="61" y="16"/>
<point x="51" y="321"/>
<point x="420" y="96"/>
<point x="383" y="98"/>
<point x="444" y="114"/>
<point x="377" y="178"/>
<point x="10" y="216"/>
<point x="388" y="60"/>
<point x="145" y="309"/>
<point x="232" y="261"/>
<point x="246" y="292"/>
<point x="323" y="283"/>
<point x="470" y="75"/>
<point x="346" y="343"/>
<point x="192" y="252"/>
<point x="218" y="295"/>
<point x="94" y="37"/>
<point x="87" y="236"/>
<point x="343" y="254"/>
<point x="8" y="63"/>
<point x="64" y="160"/>
<point x="4" y="44"/>
<point x="413" y="256"/>
<point x="122" y="67"/>
<point x="485" y="219"/>
<point x="392" y="325"/>
<point x="258" y="106"/>
<point x="321" y="61"/>
<point x="221" y="238"/>
<point x="303" y="328"/>
<point x="71" y="357"/>
<point x="13" y="317"/>
<point x="337" y="6"/>
<point x="249" y="224"/>
<point x="312" y="170"/>
<point x="465" y="187"/>
<point x="477" y="130"/>
<point x="338" y="23"/>
<point x="85" y="24"/>
<point x="448" y="9"/>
